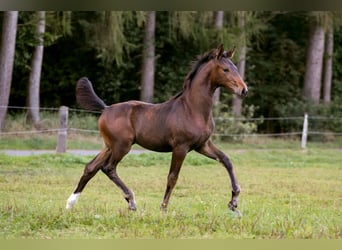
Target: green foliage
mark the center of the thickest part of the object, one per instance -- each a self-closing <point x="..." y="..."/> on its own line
<point x="230" y="128"/>
<point x="105" y="33"/>
<point x="106" y="47"/>
<point x="275" y="68"/>
<point x="83" y="120"/>
<point x="322" y="118"/>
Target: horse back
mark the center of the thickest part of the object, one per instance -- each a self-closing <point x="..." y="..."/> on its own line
<point x="136" y="122"/>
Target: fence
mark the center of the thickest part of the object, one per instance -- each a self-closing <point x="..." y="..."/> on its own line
<point x="64" y="128"/>
<point x="304" y="132"/>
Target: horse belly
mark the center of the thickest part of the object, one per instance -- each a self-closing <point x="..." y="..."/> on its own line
<point x="156" y="147"/>
<point x="152" y="139"/>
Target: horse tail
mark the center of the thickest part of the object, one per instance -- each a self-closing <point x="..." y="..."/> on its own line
<point x="86" y="96"/>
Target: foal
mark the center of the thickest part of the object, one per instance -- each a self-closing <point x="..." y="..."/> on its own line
<point x="179" y="125"/>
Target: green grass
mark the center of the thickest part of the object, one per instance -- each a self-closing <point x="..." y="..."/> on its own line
<point x="286" y="193"/>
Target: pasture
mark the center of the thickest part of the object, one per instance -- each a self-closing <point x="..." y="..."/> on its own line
<point x="286" y="194"/>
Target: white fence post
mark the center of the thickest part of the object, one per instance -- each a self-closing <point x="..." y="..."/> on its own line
<point x="63" y="129"/>
<point x="305" y="131"/>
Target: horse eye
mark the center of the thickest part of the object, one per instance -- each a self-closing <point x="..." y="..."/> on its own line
<point x="226" y="70"/>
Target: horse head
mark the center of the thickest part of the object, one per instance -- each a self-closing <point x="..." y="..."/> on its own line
<point x="226" y="74"/>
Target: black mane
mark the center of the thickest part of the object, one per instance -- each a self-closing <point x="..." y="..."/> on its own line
<point x="196" y="65"/>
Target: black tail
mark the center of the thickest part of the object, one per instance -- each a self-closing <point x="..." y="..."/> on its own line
<point x="86" y="96"/>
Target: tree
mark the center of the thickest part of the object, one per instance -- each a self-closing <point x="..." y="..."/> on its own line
<point x="314" y="62"/>
<point x="329" y="48"/>
<point x="322" y="35"/>
<point x="237" y="102"/>
<point x="105" y="33"/>
<point x="8" y="39"/>
<point x="147" y="78"/>
<point x="219" y="18"/>
<point x="36" y="67"/>
<point x="192" y="25"/>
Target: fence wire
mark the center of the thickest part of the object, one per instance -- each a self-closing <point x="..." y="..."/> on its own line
<point x="241" y="119"/>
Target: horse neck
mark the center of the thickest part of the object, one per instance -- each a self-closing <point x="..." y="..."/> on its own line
<point x="199" y="96"/>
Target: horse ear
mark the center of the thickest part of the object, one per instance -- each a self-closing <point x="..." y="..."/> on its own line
<point x="220" y="50"/>
<point x="231" y="52"/>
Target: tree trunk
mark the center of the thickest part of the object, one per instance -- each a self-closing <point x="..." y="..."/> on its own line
<point x="237" y="102"/>
<point x="147" y="78"/>
<point x="329" y="48"/>
<point x="36" y="67"/>
<point x="8" y="37"/>
<point x="314" y="61"/>
<point x="218" y="25"/>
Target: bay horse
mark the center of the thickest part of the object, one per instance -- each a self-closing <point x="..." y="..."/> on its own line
<point x="179" y="125"/>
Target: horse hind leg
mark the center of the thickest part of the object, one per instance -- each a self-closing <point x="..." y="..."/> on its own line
<point x="110" y="170"/>
<point x="89" y="172"/>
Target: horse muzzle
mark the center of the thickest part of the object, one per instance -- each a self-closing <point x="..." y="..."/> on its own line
<point x="243" y="92"/>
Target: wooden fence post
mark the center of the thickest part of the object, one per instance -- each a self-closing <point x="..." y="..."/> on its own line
<point x="63" y="129"/>
<point x="305" y="131"/>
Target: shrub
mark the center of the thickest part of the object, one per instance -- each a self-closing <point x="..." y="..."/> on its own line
<point x="230" y="128"/>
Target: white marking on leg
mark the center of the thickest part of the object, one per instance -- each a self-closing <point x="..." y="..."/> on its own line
<point x="72" y="200"/>
<point x="133" y="197"/>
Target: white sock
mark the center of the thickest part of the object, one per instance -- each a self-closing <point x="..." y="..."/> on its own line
<point x="72" y="200"/>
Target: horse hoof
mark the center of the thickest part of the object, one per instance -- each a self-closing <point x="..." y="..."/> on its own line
<point x="238" y="213"/>
<point x="163" y="210"/>
<point x="234" y="210"/>
<point x="132" y="208"/>
<point x="235" y="213"/>
<point x="163" y="207"/>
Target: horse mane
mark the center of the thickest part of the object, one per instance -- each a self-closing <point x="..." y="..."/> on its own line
<point x="196" y="65"/>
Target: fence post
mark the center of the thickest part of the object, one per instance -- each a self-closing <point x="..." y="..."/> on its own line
<point x="63" y="129"/>
<point x="305" y="131"/>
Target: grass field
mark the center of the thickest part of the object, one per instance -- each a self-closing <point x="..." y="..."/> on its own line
<point x="286" y="193"/>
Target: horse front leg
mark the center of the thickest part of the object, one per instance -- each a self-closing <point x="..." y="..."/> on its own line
<point x="211" y="151"/>
<point x="178" y="156"/>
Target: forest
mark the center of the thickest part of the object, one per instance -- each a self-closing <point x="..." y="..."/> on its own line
<point x="290" y="60"/>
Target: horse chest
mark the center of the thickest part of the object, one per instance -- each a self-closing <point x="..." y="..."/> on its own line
<point x="201" y="128"/>
<point x="202" y="132"/>
<point x="194" y="131"/>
